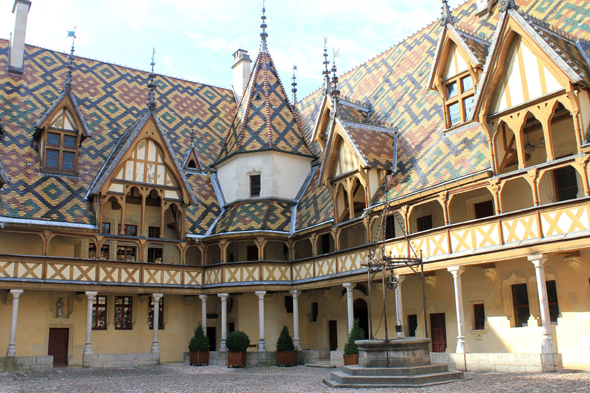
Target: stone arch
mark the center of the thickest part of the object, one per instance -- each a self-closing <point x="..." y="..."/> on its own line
<point x="562" y="132"/>
<point x="471" y="205"/>
<point x="560" y="184"/>
<point x="276" y="251"/>
<point x="303" y="249"/>
<point x="418" y="216"/>
<point x="516" y="194"/>
<point x="353" y="236"/>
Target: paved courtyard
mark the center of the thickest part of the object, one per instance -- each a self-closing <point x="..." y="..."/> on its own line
<point x="175" y="378"/>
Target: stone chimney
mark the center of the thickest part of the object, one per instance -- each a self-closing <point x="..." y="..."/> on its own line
<point x="17" y="40"/>
<point x="241" y="69"/>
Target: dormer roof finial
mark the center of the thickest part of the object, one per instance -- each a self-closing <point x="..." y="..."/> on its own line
<point x="70" y="66"/>
<point x="264" y="34"/>
<point x="335" y="91"/>
<point x="446" y="17"/>
<point x="326" y="71"/>
<point x="294" y="84"/>
<point x="152" y="85"/>
<point x="505" y="5"/>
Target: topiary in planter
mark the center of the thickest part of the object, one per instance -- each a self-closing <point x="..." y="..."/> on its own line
<point x="199" y="348"/>
<point x="286" y="353"/>
<point x="237" y="341"/>
<point x="285" y="341"/>
<point x="351" y="350"/>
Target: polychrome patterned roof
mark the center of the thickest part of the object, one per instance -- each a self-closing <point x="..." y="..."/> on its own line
<point x="315" y="206"/>
<point x="265" y="119"/>
<point x="111" y="98"/>
<point x="266" y="215"/>
<point x="375" y="143"/>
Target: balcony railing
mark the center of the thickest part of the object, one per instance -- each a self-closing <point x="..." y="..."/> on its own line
<point x="497" y="233"/>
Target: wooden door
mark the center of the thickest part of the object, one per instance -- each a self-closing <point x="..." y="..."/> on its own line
<point x="58" y="345"/>
<point x="333" y="335"/>
<point x="252" y="253"/>
<point x="212" y="336"/>
<point x="484" y="209"/>
<point x="438" y="332"/>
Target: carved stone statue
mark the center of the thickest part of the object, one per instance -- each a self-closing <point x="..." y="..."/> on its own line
<point x="60" y="308"/>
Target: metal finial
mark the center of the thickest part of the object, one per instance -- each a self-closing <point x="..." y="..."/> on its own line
<point x="70" y="66"/>
<point x="505" y="5"/>
<point x="193" y="133"/>
<point x="326" y="71"/>
<point x="446" y="17"/>
<point x="152" y="85"/>
<point x="335" y="91"/>
<point x="294" y="84"/>
<point x="264" y="34"/>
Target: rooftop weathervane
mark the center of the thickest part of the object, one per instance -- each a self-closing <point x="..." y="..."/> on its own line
<point x="152" y="85"/>
<point x="70" y="66"/>
<point x="264" y="34"/>
<point x="294" y="84"/>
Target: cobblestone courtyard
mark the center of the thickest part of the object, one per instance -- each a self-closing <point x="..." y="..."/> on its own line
<point x="175" y="378"/>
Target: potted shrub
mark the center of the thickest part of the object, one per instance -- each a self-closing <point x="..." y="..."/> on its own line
<point x="237" y="343"/>
<point x="351" y="351"/>
<point x="199" y="348"/>
<point x="286" y="353"/>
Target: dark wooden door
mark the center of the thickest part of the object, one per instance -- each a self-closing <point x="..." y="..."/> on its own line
<point x="361" y="312"/>
<point x="333" y="335"/>
<point x="438" y="332"/>
<point x="212" y="336"/>
<point x="484" y="209"/>
<point x="252" y="253"/>
<point x="58" y="345"/>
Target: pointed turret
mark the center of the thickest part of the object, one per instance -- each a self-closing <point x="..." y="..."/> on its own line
<point x="152" y="85"/>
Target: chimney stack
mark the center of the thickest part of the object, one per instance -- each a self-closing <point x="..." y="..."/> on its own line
<point x="17" y="44"/>
<point x="241" y="73"/>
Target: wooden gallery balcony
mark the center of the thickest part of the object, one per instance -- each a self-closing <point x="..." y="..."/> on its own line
<point x="563" y="226"/>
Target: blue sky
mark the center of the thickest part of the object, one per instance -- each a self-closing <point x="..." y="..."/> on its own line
<point x="194" y="39"/>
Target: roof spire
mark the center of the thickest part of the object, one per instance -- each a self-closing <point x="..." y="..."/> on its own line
<point x="264" y="34"/>
<point x="70" y="66"/>
<point x="294" y="84"/>
<point x="446" y="17"/>
<point x="193" y="132"/>
<point x="505" y="5"/>
<point x="151" y="85"/>
<point x="335" y="91"/>
<point x="326" y="71"/>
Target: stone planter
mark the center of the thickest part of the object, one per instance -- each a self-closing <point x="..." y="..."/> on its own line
<point x="236" y="359"/>
<point x="350" y="360"/>
<point x="199" y="358"/>
<point x="286" y="358"/>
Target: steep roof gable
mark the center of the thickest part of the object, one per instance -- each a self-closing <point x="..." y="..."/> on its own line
<point x="563" y="57"/>
<point x="66" y="99"/>
<point x="265" y="120"/>
<point x="127" y="142"/>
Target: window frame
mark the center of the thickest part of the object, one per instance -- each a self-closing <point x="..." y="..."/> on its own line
<point x="123" y="307"/>
<point x="154" y="230"/>
<point x="476" y="325"/>
<point x="127" y="251"/>
<point x="95" y="307"/>
<point x="459" y="98"/>
<point x="517" y="306"/>
<point x="254" y="187"/>
<point x="155" y="250"/>
<point x="552" y="315"/>
<point x="161" y="324"/>
<point x="420" y="221"/>
<point x="61" y="149"/>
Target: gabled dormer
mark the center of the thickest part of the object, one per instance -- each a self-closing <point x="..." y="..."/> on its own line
<point x="3" y="177"/>
<point x="60" y="133"/>
<point x="458" y="64"/>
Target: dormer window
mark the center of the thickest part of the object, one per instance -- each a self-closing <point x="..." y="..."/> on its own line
<point x="459" y="98"/>
<point x="60" y="149"/>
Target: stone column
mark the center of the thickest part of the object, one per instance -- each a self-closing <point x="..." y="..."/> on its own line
<point x="399" y="311"/>
<point x="88" y="345"/>
<point x="456" y="271"/>
<point x="223" y="297"/>
<point x="156" y="321"/>
<point x="539" y="260"/>
<point x="296" y="340"/>
<point x="204" y="311"/>
<point x="11" y="351"/>
<point x="261" y="342"/>
<point x="349" y="306"/>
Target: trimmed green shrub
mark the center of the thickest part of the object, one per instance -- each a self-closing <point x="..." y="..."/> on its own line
<point x="199" y="342"/>
<point x="285" y="341"/>
<point x="357" y="333"/>
<point x="237" y="341"/>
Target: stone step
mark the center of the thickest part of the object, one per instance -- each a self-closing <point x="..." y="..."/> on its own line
<point x="341" y="379"/>
<point x="320" y="365"/>
<point x="383" y="371"/>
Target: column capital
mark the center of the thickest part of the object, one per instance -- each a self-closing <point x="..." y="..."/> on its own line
<point x="223" y="296"/>
<point x="348" y="286"/>
<point x="260" y="294"/>
<point x="91" y="295"/>
<point x="537" y="259"/>
<point x="295" y="293"/>
<point x="400" y="278"/>
<point x="456" y="271"/>
<point x="157" y="296"/>
<point x="16" y="293"/>
<point x="203" y="298"/>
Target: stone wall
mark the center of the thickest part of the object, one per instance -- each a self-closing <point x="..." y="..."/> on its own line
<point x="26" y="363"/>
<point x="500" y="362"/>
<point x="120" y="360"/>
<point x="259" y="358"/>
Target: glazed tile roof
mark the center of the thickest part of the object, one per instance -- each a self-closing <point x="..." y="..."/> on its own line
<point x="315" y="206"/>
<point x="349" y="111"/>
<point x="68" y="93"/>
<point x="111" y="99"/>
<point x="374" y="143"/>
<point x="265" y="119"/>
<point x="3" y="178"/>
<point x="478" y="47"/>
<point x="202" y="215"/>
<point x="266" y="215"/>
